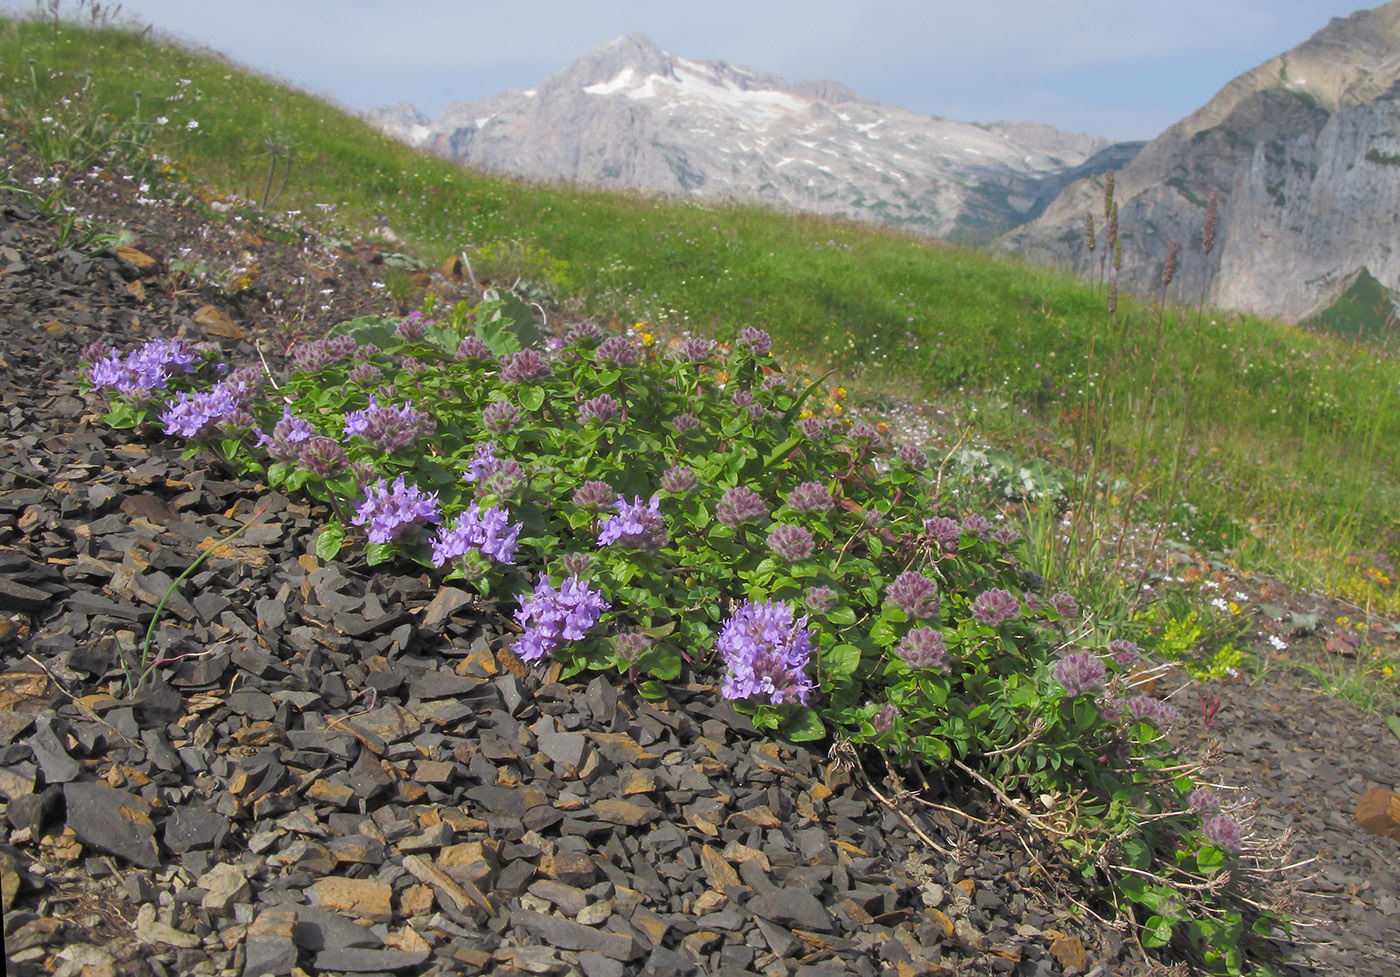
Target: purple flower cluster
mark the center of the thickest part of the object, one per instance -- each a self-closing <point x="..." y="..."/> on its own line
<point x="1007" y="535"/>
<point x="576" y="564"/>
<point x="495" y="476"/>
<point x="636" y="526"/>
<point x="316" y="354"/>
<point x="288" y="436"/>
<point x="1124" y="652"/>
<point x="686" y="424"/>
<point x="811" y="497"/>
<point x="914" y="594"/>
<point x="756" y="341"/>
<point x="551" y="617"/>
<point x="583" y="334"/>
<point x="883" y="720"/>
<point x="863" y="432"/>
<point x="1079" y="673"/>
<point x="389" y="429"/>
<point x="631" y="645"/>
<point x="322" y="456"/>
<point x="1143" y="707"/>
<point x="146" y="368"/>
<point x="413" y="327"/>
<point x="740" y="505"/>
<point x="1064" y="604"/>
<point x="1203" y="801"/>
<point x="489" y="531"/>
<point x="598" y="410"/>
<point x="814" y="428"/>
<point x="695" y="350"/>
<point x="364" y="374"/>
<point x="947" y="532"/>
<point x="594" y="495"/>
<point x="524" y="367"/>
<point x="773" y="381"/>
<point x="913" y="456"/>
<point x="199" y="416"/>
<point x="618" y="351"/>
<point x="1223" y="831"/>
<point x="995" y="606"/>
<point x="678" y="480"/>
<point x="977" y="524"/>
<point x="792" y="543"/>
<point x="390" y="512"/>
<point x="924" y="648"/>
<point x="474" y="350"/>
<point x="820" y="599"/>
<point x="766" y="650"/>
<point x="499" y="416"/>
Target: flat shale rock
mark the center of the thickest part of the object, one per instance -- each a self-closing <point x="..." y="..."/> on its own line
<point x="113" y="821"/>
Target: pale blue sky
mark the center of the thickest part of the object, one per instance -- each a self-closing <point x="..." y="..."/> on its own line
<point x="1123" y="70"/>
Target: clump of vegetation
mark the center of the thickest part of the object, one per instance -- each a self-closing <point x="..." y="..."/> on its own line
<point x="649" y="512"/>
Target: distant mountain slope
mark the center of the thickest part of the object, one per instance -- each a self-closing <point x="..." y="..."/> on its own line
<point x="1304" y="151"/>
<point x="628" y="114"/>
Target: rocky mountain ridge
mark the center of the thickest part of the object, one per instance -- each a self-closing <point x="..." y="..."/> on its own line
<point x="1304" y="152"/>
<point x="628" y="114"/>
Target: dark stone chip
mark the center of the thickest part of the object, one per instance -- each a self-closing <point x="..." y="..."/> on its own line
<point x="191" y="827"/>
<point x="791" y="907"/>
<point x="52" y="756"/>
<point x="15" y="596"/>
<point x="159" y="703"/>
<point x="253" y="704"/>
<point x="318" y="928"/>
<point x="112" y="820"/>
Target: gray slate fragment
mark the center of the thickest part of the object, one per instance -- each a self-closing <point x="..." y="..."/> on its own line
<point x="112" y="820"/>
<point x="568" y="935"/>
<point x="318" y="928"/>
<point x="369" y="961"/>
<point x="191" y="827"/>
<point x="58" y="766"/>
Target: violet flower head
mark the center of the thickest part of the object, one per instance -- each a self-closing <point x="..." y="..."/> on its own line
<point x="1079" y="673"/>
<point x="792" y="543"/>
<point x="678" y="480"/>
<point x="523" y="367"/>
<point x="740" y="505"/>
<point x="313" y="355"/>
<point x="813" y="428"/>
<point x="756" y="341"/>
<point x="636" y="526"/>
<point x="695" y="350"/>
<point x="413" y="327"/>
<point x="474" y="350"/>
<point x="1223" y="831"/>
<point x="148" y="367"/>
<point x="364" y="374"/>
<point x="1007" y="535"/>
<point x="576" y="564"/>
<point x="914" y="594"/>
<point x="551" y="617"/>
<point x="884" y="719"/>
<point x="811" y="497"/>
<point x="499" y="416"/>
<point x="977" y="524"/>
<point x="766" y="648"/>
<point x="1064" y="604"/>
<point x="482" y="464"/>
<point x="863" y="432"/>
<point x="393" y="511"/>
<point x="288" y="435"/>
<point x="1203" y="801"/>
<point x="618" y="351"/>
<point x="686" y="424"/>
<point x="742" y="398"/>
<point x="819" y="599"/>
<point x="341" y="347"/>
<point x="947" y="532"/>
<point x="1143" y="707"/>
<point x="583" y="334"/>
<point x="594" y="495"/>
<point x="631" y="645"/>
<point x="773" y="381"/>
<point x="1124" y="652"/>
<point x="389" y="429"/>
<point x="200" y="416"/>
<point x="489" y="531"/>
<point x="598" y="410"/>
<point x="995" y="606"/>
<point x="322" y="456"/>
<point x="913" y="456"/>
<point x="924" y="649"/>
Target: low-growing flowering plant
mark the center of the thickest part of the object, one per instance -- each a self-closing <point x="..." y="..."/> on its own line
<point x="808" y="568"/>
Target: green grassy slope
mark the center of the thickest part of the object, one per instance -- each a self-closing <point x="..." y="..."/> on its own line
<point x="1234" y="430"/>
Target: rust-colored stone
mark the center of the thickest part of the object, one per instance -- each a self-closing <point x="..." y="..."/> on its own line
<point x="1378" y="812"/>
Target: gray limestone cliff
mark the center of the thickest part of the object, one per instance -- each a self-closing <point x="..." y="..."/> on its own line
<point x="1304" y="152"/>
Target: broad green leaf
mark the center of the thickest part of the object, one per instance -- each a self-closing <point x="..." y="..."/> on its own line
<point x="803" y="726"/>
<point x="329" y="542"/>
<point x="841" y="615"/>
<point x="842" y="660"/>
<point x="1156" y="932"/>
<point x="532" y="398"/>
